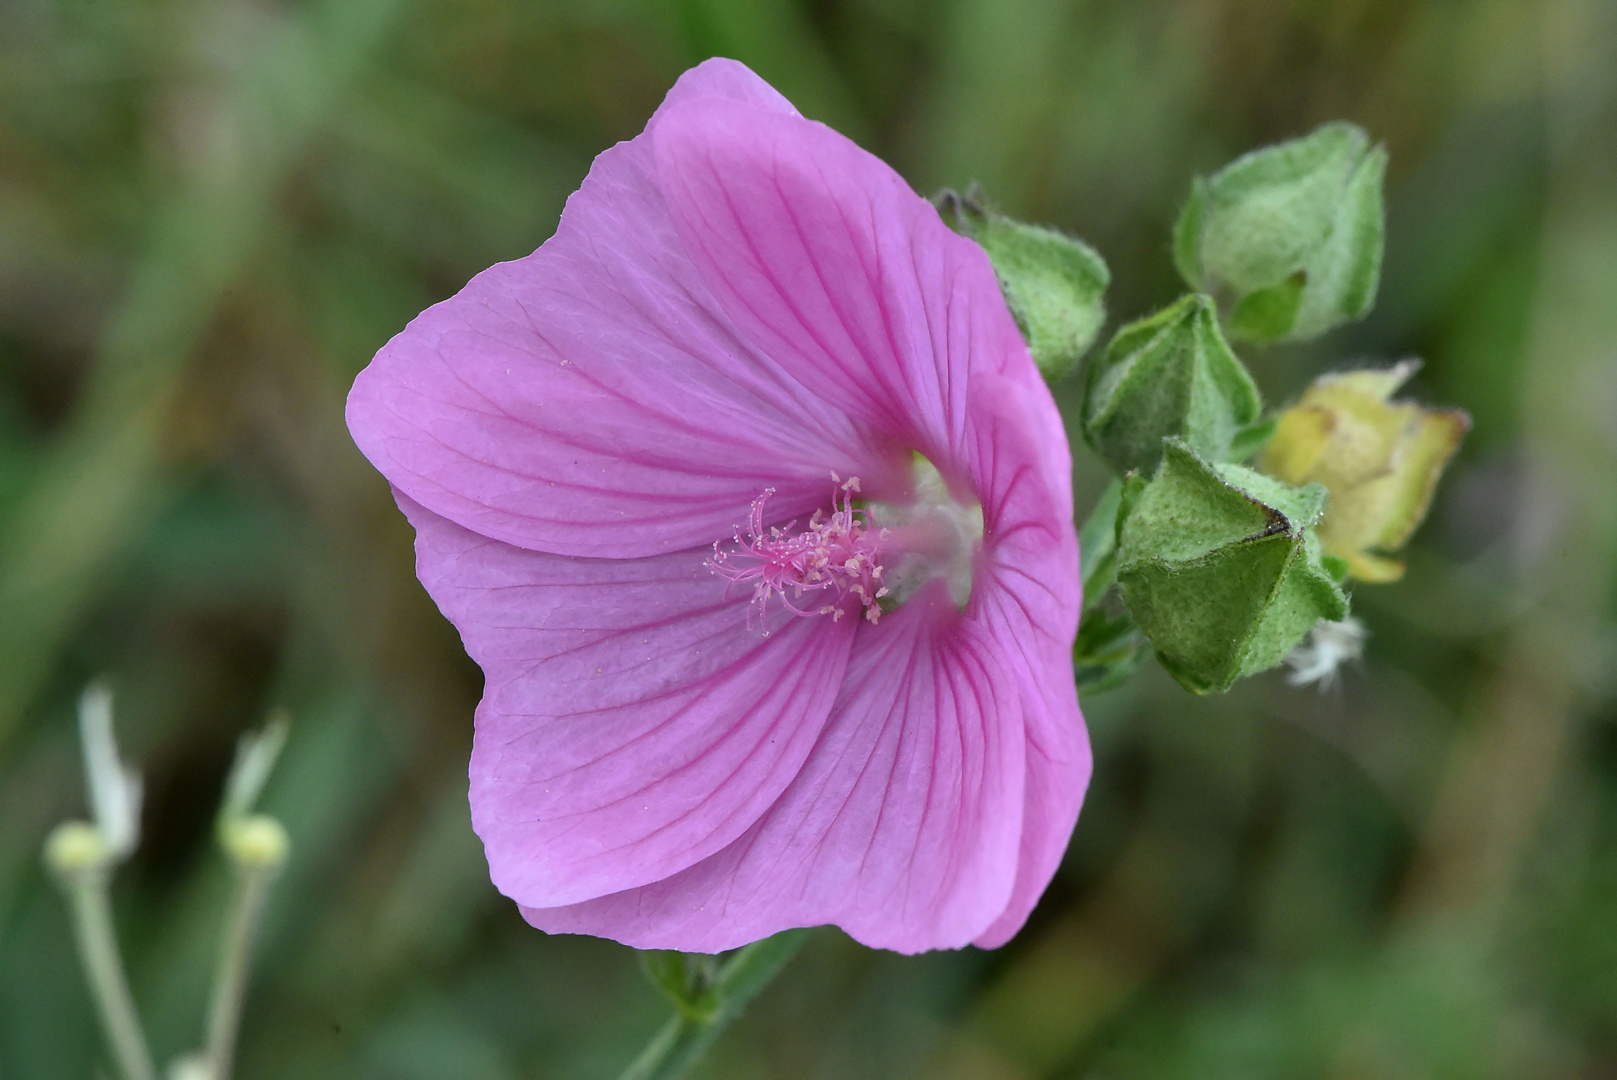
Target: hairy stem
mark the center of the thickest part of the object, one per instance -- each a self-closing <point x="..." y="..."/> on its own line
<point x="687" y="1035"/>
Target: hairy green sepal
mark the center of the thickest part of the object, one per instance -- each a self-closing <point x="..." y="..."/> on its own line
<point x="1289" y="238"/>
<point x="1054" y="284"/>
<point x="1169" y="375"/>
<point x="1220" y="568"/>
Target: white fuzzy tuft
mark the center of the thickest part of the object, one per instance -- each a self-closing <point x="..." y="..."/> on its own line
<point x="1329" y="646"/>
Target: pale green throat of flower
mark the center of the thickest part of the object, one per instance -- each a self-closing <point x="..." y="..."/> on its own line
<point x="943" y="534"/>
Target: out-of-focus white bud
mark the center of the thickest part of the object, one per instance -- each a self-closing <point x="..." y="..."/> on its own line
<point x="115" y="788"/>
<point x="258" y="842"/>
<point x="191" y="1067"/>
<point x="255" y="757"/>
<point x="74" y="847"/>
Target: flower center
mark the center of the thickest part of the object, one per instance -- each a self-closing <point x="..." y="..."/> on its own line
<point x="815" y="571"/>
<point x="874" y="556"/>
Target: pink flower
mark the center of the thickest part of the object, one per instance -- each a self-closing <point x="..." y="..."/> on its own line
<point x="745" y="494"/>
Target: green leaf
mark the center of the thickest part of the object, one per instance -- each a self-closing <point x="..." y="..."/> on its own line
<point x="1109" y="650"/>
<point x="1289" y="238"/>
<point x="1054" y="284"/>
<point x="1220" y="568"/>
<point x="1251" y="440"/>
<point x="1168" y="375"/>
<point x="1097" y="545"/>
<point x="1269" y="313"/>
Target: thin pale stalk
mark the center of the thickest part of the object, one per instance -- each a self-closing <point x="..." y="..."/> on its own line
<point x="104" y="969"/>
<point x="235" y="960"/>
<point x="686" y="1037"/>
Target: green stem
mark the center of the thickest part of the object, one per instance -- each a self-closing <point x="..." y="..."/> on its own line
<point x="235" y="958"/>
<point x="685" y="1038"/>
<point x="87" y="889"/>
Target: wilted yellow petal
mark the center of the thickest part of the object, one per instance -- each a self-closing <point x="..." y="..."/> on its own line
<point x="1378" y="383"/>
<point x="1373" y="569"/>
<point x="1422" y="456"/>
<point x="1379" y="459"/>
<point x="1299" y="440"/>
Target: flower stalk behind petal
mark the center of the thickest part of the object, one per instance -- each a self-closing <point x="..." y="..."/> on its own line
<point x="707" y="1006"/>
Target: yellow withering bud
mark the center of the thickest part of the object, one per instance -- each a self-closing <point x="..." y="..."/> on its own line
<point x="1380" y="459"/>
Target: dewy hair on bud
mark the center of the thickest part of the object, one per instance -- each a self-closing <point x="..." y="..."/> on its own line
<point x="729" y="689"/>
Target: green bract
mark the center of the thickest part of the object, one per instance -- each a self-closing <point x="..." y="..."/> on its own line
<point x="1289" y="238"/>
<point x="1171" y="374"/>
<point x="1053" y="283"/>
<point x="1219" y="566"/>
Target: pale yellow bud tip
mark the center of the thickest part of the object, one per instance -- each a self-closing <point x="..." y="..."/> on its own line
<point x="256" y="841"/>
<point x="74" y="846"/>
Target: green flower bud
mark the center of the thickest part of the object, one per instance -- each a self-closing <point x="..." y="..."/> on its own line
<point x="1171" y="374"/>
<point x="1379" y="459"/>
<point x="1289" y="238"/>
<point x="1220" y="568"/>
<point x="1053" y="283"/>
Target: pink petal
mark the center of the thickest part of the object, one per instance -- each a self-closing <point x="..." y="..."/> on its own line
<point x="902" y="827"/>
<point x="592" y="398"/>
<point x="1039" y="657"/>
<point x="831" y="265"/>
<point x="632" y="722"/>
<point x="1027" y="594"/>
<point x="727" y="80"/>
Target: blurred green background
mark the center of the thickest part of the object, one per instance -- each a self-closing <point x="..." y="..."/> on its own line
<point x="212" y="213"/>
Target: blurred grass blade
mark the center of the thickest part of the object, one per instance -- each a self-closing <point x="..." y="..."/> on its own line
<point x="101" y="482"/>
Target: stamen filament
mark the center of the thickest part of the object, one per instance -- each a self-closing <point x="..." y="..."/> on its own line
<point x="835" y="557"/>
